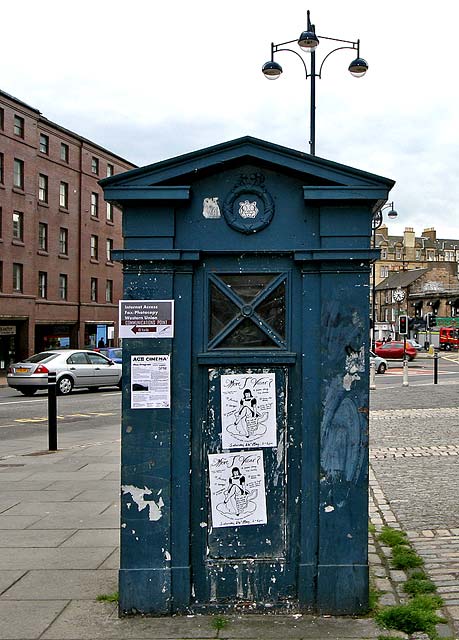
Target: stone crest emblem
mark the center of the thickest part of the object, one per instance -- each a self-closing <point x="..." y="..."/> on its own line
<point x="249" y="207"/>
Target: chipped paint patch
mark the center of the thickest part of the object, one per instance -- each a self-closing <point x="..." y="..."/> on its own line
<point x="329" y="508"/>
<point x="138" y="496"/>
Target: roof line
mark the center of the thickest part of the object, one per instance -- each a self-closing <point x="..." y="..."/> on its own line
<point x="44" y="120"/>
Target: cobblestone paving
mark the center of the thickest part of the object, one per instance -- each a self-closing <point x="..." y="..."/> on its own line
<point x="414" y="478"/>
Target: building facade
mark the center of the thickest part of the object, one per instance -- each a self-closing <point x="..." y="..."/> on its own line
<point x="426" y="271"/>
<point x="58" y="283"/>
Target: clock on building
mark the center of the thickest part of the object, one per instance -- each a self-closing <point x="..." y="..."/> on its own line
<point x="399" y="295"/>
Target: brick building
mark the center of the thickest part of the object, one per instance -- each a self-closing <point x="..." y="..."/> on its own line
<point x="58" y="282"/>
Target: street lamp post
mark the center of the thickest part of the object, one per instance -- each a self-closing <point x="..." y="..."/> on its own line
<point x="308" y="41"/>
<point x="375" y="224"/>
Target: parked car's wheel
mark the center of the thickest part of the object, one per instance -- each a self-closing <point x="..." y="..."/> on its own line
<point x="382" y="368"/>
<point x="28" y="391"/>
<point x="64" y="385"/>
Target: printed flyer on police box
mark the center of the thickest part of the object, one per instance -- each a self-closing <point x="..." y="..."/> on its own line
<point x="237" y="488"/>
<point x="150" y="382"/>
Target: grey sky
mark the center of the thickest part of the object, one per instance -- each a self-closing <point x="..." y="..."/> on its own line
<point x="151" y="79"/>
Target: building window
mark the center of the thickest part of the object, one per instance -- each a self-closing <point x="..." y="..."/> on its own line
<point x="17" y="277"/>
<point x="383" y="253"/>
<point x="418" y="254"/>
<point x="93" y="289"/>
<point x="19" y="126"/>
<point x="449" y="256"/>
<point x="42" y="284"/>
<point x="64" y="152"/>
<point x="109" y="249"/>
<point x="42" y="187"/>
<point x="64" y="195"/>
<point x="384" y="272"/>
<point x="44" y="144"/>
<point x="95" y="205"/>
<point x="110" y="170"/>
<point x="43" y="236"/>
<point x="63" y="241"/>
<point x="109" y="291"/>
<point x="95" y="166"/>
<point x="18" y="225"/>
<point x="62" y="286"/>
<point x="2" y="165"/>
<point x="18" y="175"/>
<point x="1" y="222"/>
<point x="398" y="253"/>
<point x="431" y="254"/>
<point x="109" y="212"/>
<point x="2" y="118"/>
<point x="1" y="275"/>
<point x="94" y="247"/>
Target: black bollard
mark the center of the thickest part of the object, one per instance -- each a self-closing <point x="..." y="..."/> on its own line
<point x="436" y="368"/>
<point x="52" y="412"/>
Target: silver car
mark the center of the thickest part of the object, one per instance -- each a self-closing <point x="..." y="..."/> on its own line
<point x="380" y="363"/>
<point x="73" y="368"/>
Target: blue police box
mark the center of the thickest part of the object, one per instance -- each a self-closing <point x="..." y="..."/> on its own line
<point x="246" y="381"/>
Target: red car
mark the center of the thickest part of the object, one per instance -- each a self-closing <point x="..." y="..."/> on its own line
<point x="394" y="349"/>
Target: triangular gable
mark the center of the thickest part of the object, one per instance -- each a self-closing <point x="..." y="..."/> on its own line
<point x="246" y="148"/>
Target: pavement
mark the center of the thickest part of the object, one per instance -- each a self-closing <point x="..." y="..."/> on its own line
<point x="59" y="531"/>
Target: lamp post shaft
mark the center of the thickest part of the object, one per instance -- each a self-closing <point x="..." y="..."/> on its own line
<point x="312" y="132"/>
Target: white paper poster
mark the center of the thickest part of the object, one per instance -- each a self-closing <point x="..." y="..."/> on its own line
<point x="248" y="404"/>
<point x="150" y="382"/>
<point x="237" y="488"/>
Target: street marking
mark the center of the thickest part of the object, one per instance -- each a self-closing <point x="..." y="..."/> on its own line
<point x="445" y="451"/>
<point x="24" y="401"/>
<point x="396" y="414"/>
<point x="90" y="414"/>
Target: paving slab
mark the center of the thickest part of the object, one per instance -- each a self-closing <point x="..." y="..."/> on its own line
<point x="16" y="522"/>
<point x="105" y="521"/>
<point x="19" y="622"/>
<point x="299" y="626"/>
<point x="33" y="538"/>
<point x="61" y="584"/>
<point x="108" y="487"/>
<point x="76" y="509"/>
<point x="5" y="505"/>
<point x="113" y="561"/>
<point x="8" y="578"/>
<point x="86" y="620"/>
<point x="93" y="538"/>
<point x="44" y="495"/>
<point x="57" y="558"/>
<point x="95" y="495"/>
<point x="94" y="621"/>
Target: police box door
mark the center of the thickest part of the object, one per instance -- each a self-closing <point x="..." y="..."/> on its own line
<point x="245" y="447"/>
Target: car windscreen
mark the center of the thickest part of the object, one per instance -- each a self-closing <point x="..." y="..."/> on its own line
<point x="44" y="356"/>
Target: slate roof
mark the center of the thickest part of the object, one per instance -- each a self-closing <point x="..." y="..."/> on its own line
<point x="401" y="279"/>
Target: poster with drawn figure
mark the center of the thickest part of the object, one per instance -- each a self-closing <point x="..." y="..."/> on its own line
<point x="237" y="489"/>
<point x="248" y="406"/>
